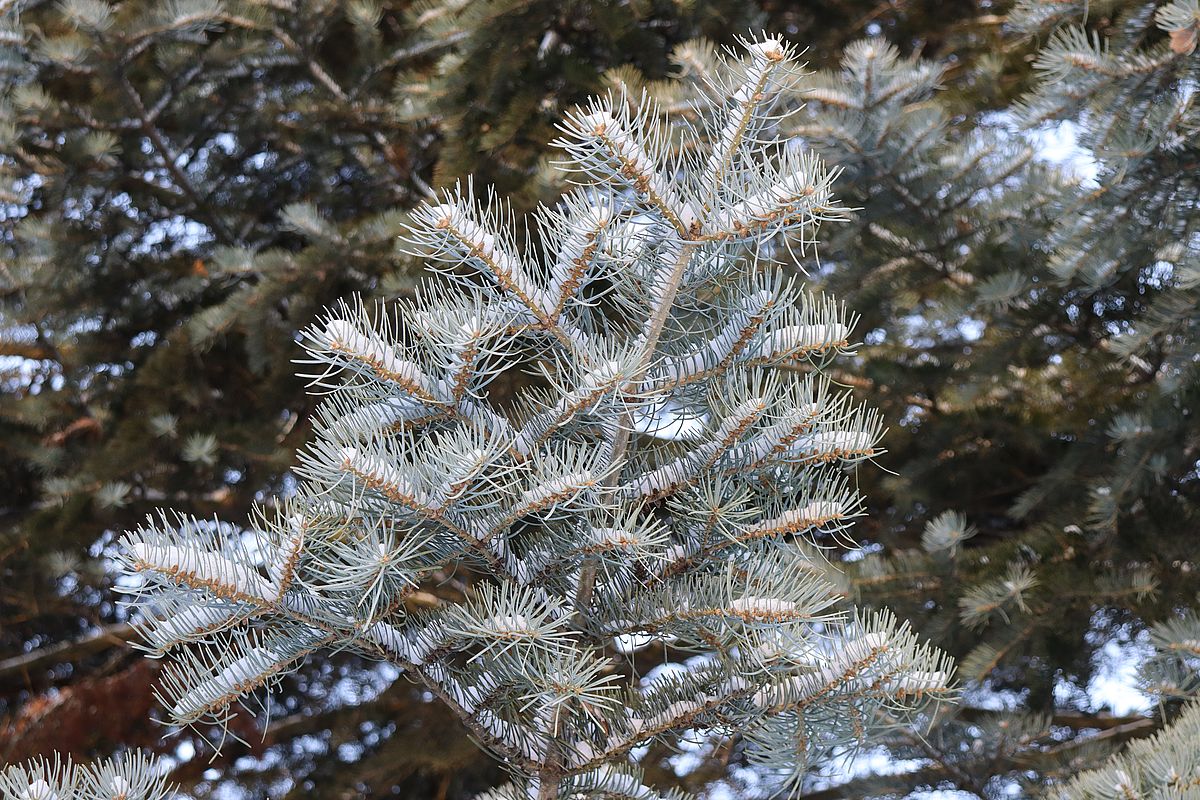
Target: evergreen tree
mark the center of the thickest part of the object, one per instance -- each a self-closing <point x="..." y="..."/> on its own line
<point x="1031" y="337"/>
<point x="299" y="128"/>
<point x="503" y="100"/>
<point x="669" y="480"/>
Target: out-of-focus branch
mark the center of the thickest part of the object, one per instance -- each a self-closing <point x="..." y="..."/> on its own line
<point x="22" y="668"/>
<point x="1115" y="730"/>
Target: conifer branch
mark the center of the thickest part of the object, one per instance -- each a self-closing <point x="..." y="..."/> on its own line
<point x="569" y="529"/>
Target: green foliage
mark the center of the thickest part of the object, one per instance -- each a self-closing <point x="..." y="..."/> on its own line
<point x="1174" y="670"/>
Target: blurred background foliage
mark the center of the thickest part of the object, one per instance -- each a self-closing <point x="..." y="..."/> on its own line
<point x="185" y="184"/>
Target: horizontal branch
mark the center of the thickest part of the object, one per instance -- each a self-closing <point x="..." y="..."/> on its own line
<point x="21" y="668"/>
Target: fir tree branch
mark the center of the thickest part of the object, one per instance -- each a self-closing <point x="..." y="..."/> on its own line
<point x="570" y="535"/>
